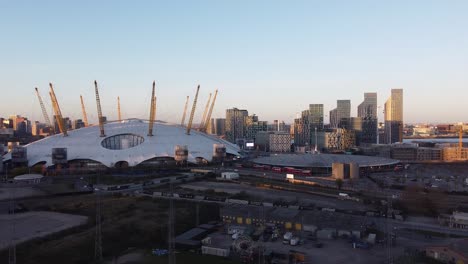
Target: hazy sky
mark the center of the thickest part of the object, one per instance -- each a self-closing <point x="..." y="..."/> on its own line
<point x="272" y="58"/>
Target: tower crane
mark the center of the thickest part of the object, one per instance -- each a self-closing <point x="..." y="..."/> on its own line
<point x="44" y="111"/>
<point x="202" y="123"/>
<point x="208" y="117"/>
<point x="58" y="113"/>
<point x="98" y="104"/>
<point x="118" y="108"/>
<point x="185" y="112"/>
<point x="189" y="126"/>
<point x="152" y="112"/>
<point x="85" y="116"/>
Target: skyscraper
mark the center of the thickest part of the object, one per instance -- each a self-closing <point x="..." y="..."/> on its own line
<point x="235" y="119"/>
<point x="368" y="108"/>
<point x="367" y="112"/>
<point x="394" y="117"/>
<point x="302" y="129"/>
<point x="316" y="116"/>
<point x="339" y="117"/>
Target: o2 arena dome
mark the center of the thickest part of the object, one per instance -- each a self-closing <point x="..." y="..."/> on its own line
<point x="127" y="142"/>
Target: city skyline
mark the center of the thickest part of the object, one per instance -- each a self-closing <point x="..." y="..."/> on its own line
<point x="297" y="54"/>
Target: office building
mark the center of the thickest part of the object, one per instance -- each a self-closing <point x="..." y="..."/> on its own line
<point x="234" y="124"/>
<point x="316" y="116"/>
<point x="394" y="117"/>
<point x="367" y="112"/>
<point x="368" y="108"/>
<point x="339" y="117"/>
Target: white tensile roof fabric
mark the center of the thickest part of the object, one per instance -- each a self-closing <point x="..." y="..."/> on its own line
<point x="85" y="143"/>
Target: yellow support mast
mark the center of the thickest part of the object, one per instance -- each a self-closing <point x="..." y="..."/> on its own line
<point x="118" y="109"/>
<point x="182" y="123"/>
<point x="202" y="123"/>
<point x="98" y="104"/>
<point x="208" y="117"/>
<point x="57" y="111"/>
<point x="44" y="111"/>
<point x="85" y="116"/>
<point x="189" y="126"/>
<point x="152" y="112"/>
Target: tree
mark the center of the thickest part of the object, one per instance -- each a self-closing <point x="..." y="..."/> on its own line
<point x="339" y="183"/>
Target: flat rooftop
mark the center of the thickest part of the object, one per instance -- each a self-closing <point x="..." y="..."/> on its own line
<point x="322" y="160"/>
<point x="32" y="225"/>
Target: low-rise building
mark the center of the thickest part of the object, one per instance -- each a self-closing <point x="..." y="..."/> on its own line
<point x="429" y="154"/>
<point x="345" y="170"/>
<point x="454" y="153"/>
<point x="456" y="252"/>
<point x="404" y="152"/>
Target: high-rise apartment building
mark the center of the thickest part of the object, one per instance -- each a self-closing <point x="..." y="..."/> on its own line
<point x="367" y="112"/>
<point x="302" y="129"/>
<point x="235" y="120"/>
<point x="253" y="126"/>
<point x="394" y="117"/>
<point x="339" y="117"/>
<point x="220" y="126"/>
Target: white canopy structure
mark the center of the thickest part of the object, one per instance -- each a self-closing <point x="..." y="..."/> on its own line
<point x="126" y="141"/>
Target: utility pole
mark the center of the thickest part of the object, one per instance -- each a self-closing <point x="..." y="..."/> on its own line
<point x="170" y="225"/>
<point x="12" y="247"/>
<point x="98" y="237"/>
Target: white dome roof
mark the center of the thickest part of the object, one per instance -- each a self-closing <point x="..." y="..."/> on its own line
<point x="86" y="143"/>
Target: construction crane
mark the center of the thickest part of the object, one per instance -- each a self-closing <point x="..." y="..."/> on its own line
<point x="58" y="113"/>
<point x="202" y="123"/>
<point x="152" y="107"/>
<point x="44" y="111"/>
<point x="98" y="103"/>
<point x="208" y="117"/>
<point x="85" y="116"/>
<point x="118" y="108"/>
<point x="185" y="112"/>
<point x="189" y="126"/>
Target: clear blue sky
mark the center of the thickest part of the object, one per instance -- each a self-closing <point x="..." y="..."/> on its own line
<point x="272" y="58"/>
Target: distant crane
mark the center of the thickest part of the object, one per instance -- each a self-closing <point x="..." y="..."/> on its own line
<point x="44" y="111"/>
<point x="85" y="116"/>
<point x="208" y="117"/>
<point x="118" y="108"/>
<point x="189" y="126"/>
<point x="182" y="123"/>
<point x="58" y="113"/>
<point x="98" y="103"/>
<point x="152" y="112"/>
<point x="202" y="123"/>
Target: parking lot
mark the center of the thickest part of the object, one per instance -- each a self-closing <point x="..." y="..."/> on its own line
<point x="338" y="250"/>
<point x="444" y="177"/>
